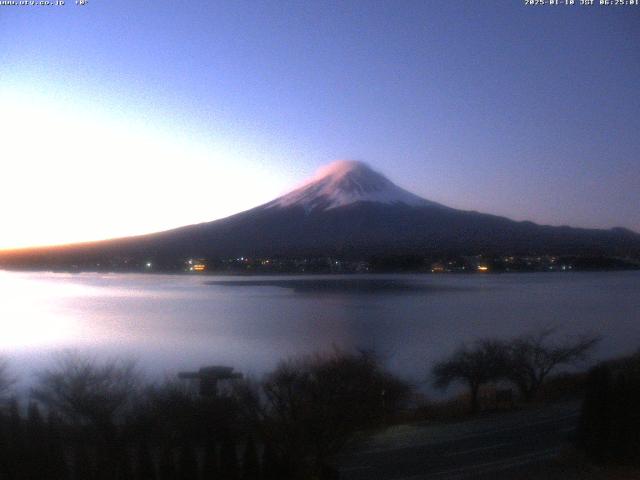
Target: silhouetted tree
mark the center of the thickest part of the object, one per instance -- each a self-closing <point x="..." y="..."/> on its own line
<point x="625" y="418"/>
<point x="531" y="358"/>
<point x="92" y="397"/>
<point x="15" y="424"/>
<point x="272" y="468"/>
<point x="209" y="469"/>
<point x="187" y="462"/>
<point x="270" y="463"/>
<point x="228" y="459"/>
<point x="5" y="449"/>
<point x="170" y="410"/>
<point x="167" y="467"/>
<point x="82" y="463"/>
<point x="315" y="404"/>
<point x="476" y="366"/>
<point x="594" y="430"/>
<point x="16" y="443"/>
<point x="57" y="463"/>
<point x="145" y="468"/>
<point x="6" y="381"/>
<point x="124" y="469"/>
<point x="36" y="447"/>
<point x="250" y="462"/>
<point x="86" y="392"/>
<point x="610" y="416"/>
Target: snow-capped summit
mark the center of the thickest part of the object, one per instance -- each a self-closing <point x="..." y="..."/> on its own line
<point x="345" y="182"/>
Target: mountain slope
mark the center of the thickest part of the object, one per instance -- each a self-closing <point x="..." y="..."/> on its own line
<point x="347" y="209"/>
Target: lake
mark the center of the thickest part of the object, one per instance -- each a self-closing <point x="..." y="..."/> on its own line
<point x="181" y="322"/>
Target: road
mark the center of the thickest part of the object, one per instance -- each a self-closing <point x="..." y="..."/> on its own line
<point x="477" y="449"/>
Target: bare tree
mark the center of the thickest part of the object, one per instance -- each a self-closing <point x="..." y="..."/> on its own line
<point x="315" y="404"/>
<point x="87" y="392"/>
<point x="531" y="358"/>
<point x="475" y="366"/>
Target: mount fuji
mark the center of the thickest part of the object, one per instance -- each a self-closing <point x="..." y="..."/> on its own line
<point x="346" y="182"/>
<point x="346" y="209"/>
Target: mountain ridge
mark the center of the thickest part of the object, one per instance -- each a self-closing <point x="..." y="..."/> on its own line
<point x="347" y="210"/>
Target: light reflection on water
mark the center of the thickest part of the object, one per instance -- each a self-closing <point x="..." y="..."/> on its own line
<point x="175" y="322"/>
<point x="30" y="316"/>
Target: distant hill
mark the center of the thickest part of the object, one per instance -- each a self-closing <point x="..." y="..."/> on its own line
<point x="346" y="210"/>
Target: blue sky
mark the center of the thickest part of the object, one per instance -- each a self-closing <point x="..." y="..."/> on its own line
<point x="127" y="117"/>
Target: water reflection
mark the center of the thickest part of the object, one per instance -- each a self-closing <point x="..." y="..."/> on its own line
<point x="176" y="322"/>
<point x="32" y="317"/>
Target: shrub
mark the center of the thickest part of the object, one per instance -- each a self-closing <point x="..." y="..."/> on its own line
<point x="610" y="419"/>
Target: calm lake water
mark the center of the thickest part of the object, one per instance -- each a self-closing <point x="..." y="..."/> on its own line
<point x="179" y="322"/>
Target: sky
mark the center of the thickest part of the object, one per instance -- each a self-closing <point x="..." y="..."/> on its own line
<point x="121" y="118"/>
